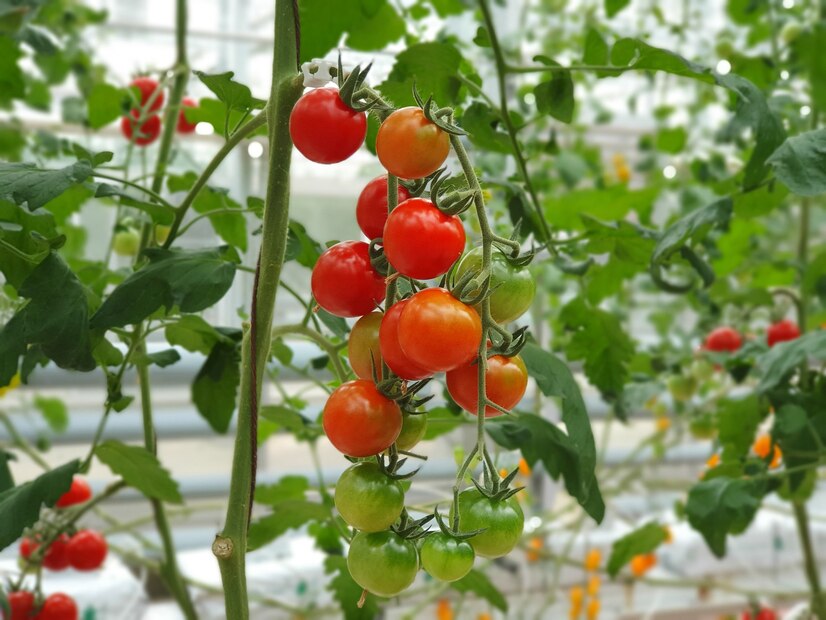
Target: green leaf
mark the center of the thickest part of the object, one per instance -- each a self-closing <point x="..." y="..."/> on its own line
<point x="12" y="82"/>
<point x="6" y="478"/>
<point x="106" y="104"/>
<point x="596" y="49"/>
<point x="20" y="506"/>
<point x="32" y="233"/>
<point x="161" y="359"/>
<point x="642" y="540"/>
<point x="287" y="488"/>
<point x="54" y="412"/>
<point x="194" y="334"/>
<point x="737" y="422"/>
<point x="25" y="183"/>
<point x="800" y="163"/>
<point x="378" y="30"/>
<point x="140" y="469"/>
<point x="433" y="66"/>
<point x="445" y="8"/>
<point x="746" y="12"/>
<point x="759" y="201"/>
<point x="335" y="324"/>
<point x="556" y="95"/>
<point x="231" y="227"/>
<point x="612" y="203"/>
<point x="476" y="582"/>
<point x="160" y="214"/>
<point x="215" y="387"/>
<point x="287" y="418"/>
<point x="442" y="420"/>
<point x="484" y="127"/>
<point x="287" y="515"/>
<point x="191" y="280"/>
<point x="301" y="247"/>
<point x="347" y="592"/>
<point x="234" y="95"/>
<point x="612" y="7"/>
<point x="723" y="506"/>
<point x="671" y="140"/>
<point x="777" y="364"/>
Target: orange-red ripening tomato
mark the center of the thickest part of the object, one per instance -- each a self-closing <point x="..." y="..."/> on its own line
<point x="391" y="350"/>
<point x="506" y="379"/>
<point x="410" y="146"/>
<point x="147" y="86"/>
<point x="344" y="282"/>
<point x="359" y="421"/>
<point x="420" y="241"/>
<point x="325" y="129"/>
<point x="371" y="208"/>
<point x="184" y="126"/>
<point x="78" y="493"/>
<point x="363" y="345"/>
<point x="437" y="331"/>
<point x="146" y="132"/>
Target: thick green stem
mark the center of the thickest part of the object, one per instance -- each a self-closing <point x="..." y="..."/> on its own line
<point x="230" y="545"/>
<point x="809" y="560"/>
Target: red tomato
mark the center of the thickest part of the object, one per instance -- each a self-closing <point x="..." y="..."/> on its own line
<point x="359" y="421"/>
<point x="57" y="557"/>
<point x="147" y="86"/>
<point x="420" y="241"/>
<point x="147" y="132"/>
<point x="391" y="350"/>
<point x="410" y="146"/>
<point x="506" y="380"/>
<point x="344" y="282"/>
<point x="58" y="606"/>
<point x="78" y="493"/>
<point x="763" y="614"/>
<point x="27" y="547"/>
<point x="437" y="331"/>
<point x="184" y="126"/>
<point x="87" y="550"/>
<point x="724" y="339"/>
<point x="782" y="331"/>
<point x="363" y="346"/>
<point x="21" y="605"/>
<point x="371" y="208"/>
<point x="324" y="129"/>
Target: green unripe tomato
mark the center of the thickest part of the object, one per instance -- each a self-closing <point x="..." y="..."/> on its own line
<point x="513" y="288"/>
<point x="413" y="428"/>
<point x="367" y="499"/>
<point x="447" y="558"/>
<point x="724" y="48"/>
<point x="502" y="521"/>
<point x="682" y="388"/>
<point x="702" y="426"/>
<point x="702" y="370"/>
<point x="383" y="563"/>
<point x="126" y="242"/>
<point x="790" y="32"/>
<point x="162" y="233"/>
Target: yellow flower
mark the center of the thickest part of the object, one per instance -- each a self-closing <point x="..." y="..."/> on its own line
<point x="443" y="610"/>
<point x="577" y="595"/>
<point x="593" y="585"/>
<point x="593" y="609"/>
<point x="593" y="560"/>
<point x="524" y="468"/>
<point x="663" y="424"/>
<point x="14" y="383"/>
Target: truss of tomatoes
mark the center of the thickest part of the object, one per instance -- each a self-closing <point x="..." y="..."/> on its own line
<point x="142" y="125"/>
<point x="428" y="332"/>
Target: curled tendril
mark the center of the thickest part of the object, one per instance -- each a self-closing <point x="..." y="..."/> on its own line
<point x="507" y="343"/>
<point x="449" y="202"/>
<point x="353" y="92"/>
<point x="411" y="529"/>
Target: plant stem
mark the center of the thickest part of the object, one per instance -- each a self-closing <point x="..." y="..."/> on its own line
<point x="809" y="560"/>
<point x="137" y="186"/>
<point x="329" y="347"/>
<point x="231" y="544"/>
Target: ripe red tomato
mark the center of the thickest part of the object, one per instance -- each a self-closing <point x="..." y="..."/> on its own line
<point x="78" y="493"/>
<point x="763" y="614"/>
<point x="58" y="606"/>
<point x="344" y="282"/>
<point x="184" y="126"/>
<point x="147" y="132"/>
<point x="506" y="380"/>
<point x="391" y="350"/>
<point x="363" y="346"/>
<point x="782" y="331"/>
<point x="410" y="146"/>
<point x="420" y="241"/>
<point x="437" y="331"/>
<point x="87" y="550"/>
<point x="57" y="558"/>
<point x="724" y="339"/>
<point x="324" y="129"/>
<point x="21" y="605"/>
<point x="359" y="421"/>
<point x="371" y="208"/>
<point x="147" y="86"/>
<point x="27" y="547"/>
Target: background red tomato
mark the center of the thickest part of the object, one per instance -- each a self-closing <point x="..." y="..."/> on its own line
<point x="147" y="86"/>
<point x="79" y="492"/>
<point x="87" y="550"/>
<point x="145" y="133"/>
<point x="344" y="282"/>
<point x="782" y="331"/>
<point x="184" y="126"/>
<point x="723" y="339"/>
<point x="324" y="129"/>
<point x="371" y="208"/>
<point x="58" y="606"/>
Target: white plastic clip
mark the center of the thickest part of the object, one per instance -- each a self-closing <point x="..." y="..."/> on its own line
<point x="317" y="73"/>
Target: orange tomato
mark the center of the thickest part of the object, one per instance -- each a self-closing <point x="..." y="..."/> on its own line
<point x="410" y="146"/>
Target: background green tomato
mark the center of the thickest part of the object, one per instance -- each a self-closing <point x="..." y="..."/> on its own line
<point x="126" y="242"/>
<point x="502" y="521"/>
<point x="363" y="346"/>
<point x="383" y="563"/>
<point x="413" y="428"/>
<point x="682" y="388"/>
<point x="447" y="558"/>
<point x="702" y="426"/>
<point x="367" y="499"/>
<point x="513" y="289"/>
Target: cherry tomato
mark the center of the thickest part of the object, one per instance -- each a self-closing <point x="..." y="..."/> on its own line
<point x="414" y="426"/>
<point x="446" y="558"/>
<point x="367" y="498"/>
<point x="371" y="208"/>
<point x="162" y="233"/>
<point x="344" y="282"/>
<point x="724" y="339"/>
<point x="78" y="493"/>
<point x="410" y="146"/>
<point x="184" y="126"/>
<point x="324" y="129"/>
<point x="420" y="241"/>
<point x="147" y="131"/>
<point x="391" y="350"/>
<point x="58" y="606"/>
<point x="764" y="614"/>
<point x="57" y="556"/>
<point x="27" y="547"/>
<point x="363" y="346"/>
<point x="437" y="331"/>
<point x="513" y="288"/>
<point x="383" y="563"/>
<point x="502" y="522"/>
<point x="126" y="242"/>
<point x="21" y="605"/>
<point x="682" y="387"/>
<point x="506" y="380"/>
<point x="87" y="550"/>
<point x="359" y="421"/>
<point x="782" y="331"/>
<point x="147" y="86"/>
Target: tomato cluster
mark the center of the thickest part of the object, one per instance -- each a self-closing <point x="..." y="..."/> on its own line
<point x="729" y="340"/>
<point x="142" y="125"/>
<point x="23" y="605"/>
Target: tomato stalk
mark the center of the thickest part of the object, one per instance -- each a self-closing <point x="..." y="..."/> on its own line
<point x="230" y="545"/>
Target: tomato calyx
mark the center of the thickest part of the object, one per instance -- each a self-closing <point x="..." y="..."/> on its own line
<point x="393" y="464"/>
<point x="441" y="117"/>
<point x="471" y="289"/>
<point x="351" y="93"/>
<point x="377" y="258"/>
<point x="454" y="532"/>
<point x="411" y="529"/>
<point x="403" y="392"/>
<point x="494" y="487"/>
<point x="451" y="201"/>
<point x="506" y="343"/>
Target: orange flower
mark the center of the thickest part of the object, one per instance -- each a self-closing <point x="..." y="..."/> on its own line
<point x="592" y="610"/>
<point x="762" y="446"/>
<point x="503" y="473"/>
<point x="663" y="424"/>
<point x="535" y="546"/>
<point x="713" y="461"/>
<point x="444" y="610"/>
<point x="593" y="560"/>
<point x="524" y="468"/>
<point x="593" y="585"/>
<point x="577" y="595"/>
<point x="641" y="564"/>
<point x="483" y="616"/>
